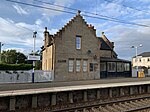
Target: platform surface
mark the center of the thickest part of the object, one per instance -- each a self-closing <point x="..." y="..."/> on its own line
<point x="47" y="87"/>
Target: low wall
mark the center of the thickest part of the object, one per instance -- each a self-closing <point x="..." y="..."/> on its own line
<point x="25" y="76"/>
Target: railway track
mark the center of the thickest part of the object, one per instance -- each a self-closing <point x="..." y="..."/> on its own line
<point x="128" y="105"/>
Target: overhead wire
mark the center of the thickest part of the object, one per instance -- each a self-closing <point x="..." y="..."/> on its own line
<point x="133" y="8"/>
<point x="97" y="17"/>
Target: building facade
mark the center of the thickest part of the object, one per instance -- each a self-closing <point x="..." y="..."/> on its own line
<point x="110" y="65"/>
<point x="142" y="60"/>
<point x="74" y="52"/>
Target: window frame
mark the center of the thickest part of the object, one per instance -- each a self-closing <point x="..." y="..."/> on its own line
<point x="111" y="66"/>
<point x="120" y="67"/>
<point x="126" y="66"/>
<point x="78" y="65"/>
<point x="85" y="66"/>
<point x="103" y="66"/>
<point x="93" y="67"/>
<point x="71" y="66"/>
<point x="78" y="42"/>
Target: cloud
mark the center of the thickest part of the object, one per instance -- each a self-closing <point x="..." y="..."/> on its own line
<point x="57" y="2"/>
<point x="125" y="36"/>
<point x="38" y="22"/>
<point x="19" y="34"/>
<point x="22" y="50"/>
<point x="20" y="10"/>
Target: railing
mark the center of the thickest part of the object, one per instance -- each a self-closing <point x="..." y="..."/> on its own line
<point x="25" y="76"/>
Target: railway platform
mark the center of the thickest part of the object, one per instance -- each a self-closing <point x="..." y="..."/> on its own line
<point x="60" y="94"/>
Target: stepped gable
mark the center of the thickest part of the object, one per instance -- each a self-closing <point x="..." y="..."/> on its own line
<point x="71" y="21"/>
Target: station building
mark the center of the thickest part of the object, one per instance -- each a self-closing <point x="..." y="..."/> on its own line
<point x="76" y="53"/>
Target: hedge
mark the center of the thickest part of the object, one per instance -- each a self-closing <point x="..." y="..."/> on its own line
<point x="15" y="66"/>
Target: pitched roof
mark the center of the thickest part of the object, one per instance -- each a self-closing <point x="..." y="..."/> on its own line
<point x="105" y="43"/>
<point x="110" y="44"/>
<point x="145" y="54"/>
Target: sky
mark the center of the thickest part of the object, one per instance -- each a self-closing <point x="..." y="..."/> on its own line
<point x="19" y="21"/>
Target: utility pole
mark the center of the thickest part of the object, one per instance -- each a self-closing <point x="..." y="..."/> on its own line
<point x="1" y="44"/>
<point x="34" y="38"/>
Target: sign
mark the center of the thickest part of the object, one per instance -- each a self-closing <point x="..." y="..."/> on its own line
<point x="32" y="57"/>
<point x="61" y="61"/>
<point x="139" y="56"/>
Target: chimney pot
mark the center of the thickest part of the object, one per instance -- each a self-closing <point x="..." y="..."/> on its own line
<point x="45" y="28"/>
<point x="78" y="12"/>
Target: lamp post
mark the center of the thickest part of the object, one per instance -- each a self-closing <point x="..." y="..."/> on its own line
<point x="34" y="37"/>
<point x="136" y="56"/>
<point x="1" y="44"/>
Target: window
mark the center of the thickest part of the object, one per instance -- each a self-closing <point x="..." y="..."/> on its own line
<point x="103" y="66"/>
<point x="93" y="67"/>
<point x="136" y="60"/>
<point x="127" y="67"/>
<point x="120" y="67"/>
<point x="111" y="66"/>
<point x="71" y="65"/>
<point x="78" y="65"/>
<point x="84" y="65"/>
<point x="78" y="42"/>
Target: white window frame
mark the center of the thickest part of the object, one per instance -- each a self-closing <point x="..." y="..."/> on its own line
<point x="120" y="67"/>
<point x="111" y="66"/>
<point x="126" y="67"/>
<point x="78" y="42"/>
<point x="103" y="66"/>
<point x="70" y="65"/>
<point x="78" y="65"/>
<point x="85" y="65"/>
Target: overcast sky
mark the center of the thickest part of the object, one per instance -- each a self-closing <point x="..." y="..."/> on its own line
<point x="18" y="21"/>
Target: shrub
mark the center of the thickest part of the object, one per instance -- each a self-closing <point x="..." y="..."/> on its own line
<point x="15" y="66"/>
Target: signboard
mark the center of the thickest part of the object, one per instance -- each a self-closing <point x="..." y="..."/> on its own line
<point x="32" y="57"/>
<point x="139" y="56"/>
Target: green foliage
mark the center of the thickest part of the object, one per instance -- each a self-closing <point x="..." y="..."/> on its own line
<point x="38" y="65"/>
<point x="13" y="57"/>
<point x="15" y="66"/>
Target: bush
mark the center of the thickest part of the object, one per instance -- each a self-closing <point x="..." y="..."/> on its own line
<point x="15" y="66"/>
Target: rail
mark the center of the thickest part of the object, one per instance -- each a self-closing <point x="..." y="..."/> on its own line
<point x="126" y="105"/>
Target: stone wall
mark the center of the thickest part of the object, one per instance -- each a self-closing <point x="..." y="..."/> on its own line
<point x="106" y="53"/>
<point x="65" y="49"/>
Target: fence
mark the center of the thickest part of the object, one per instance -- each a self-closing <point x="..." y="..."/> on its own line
<point x="25" y="76"/>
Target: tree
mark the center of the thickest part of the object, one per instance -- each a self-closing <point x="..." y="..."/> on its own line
<point x="13" y="57"/>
